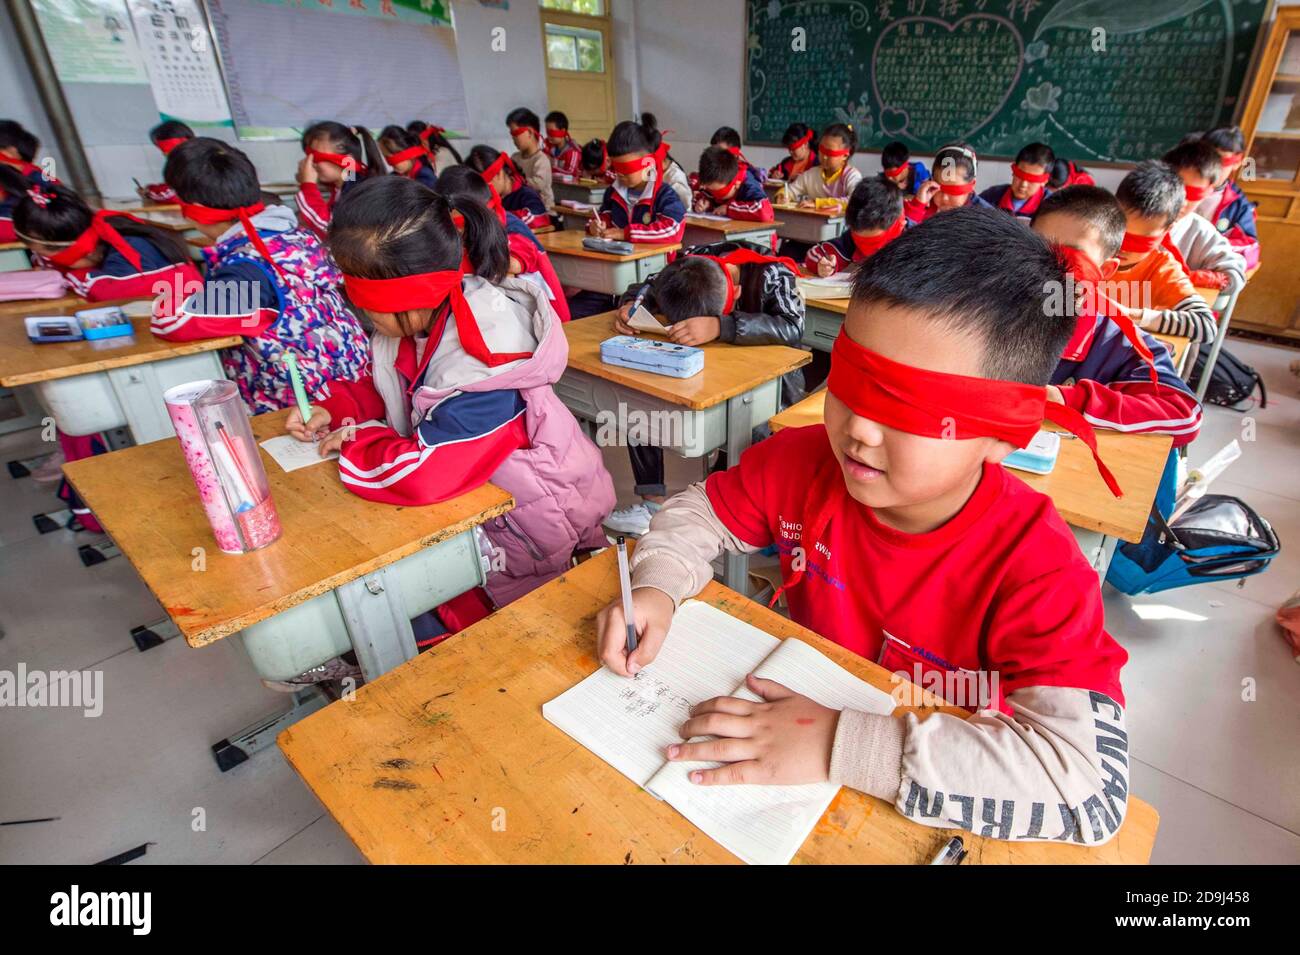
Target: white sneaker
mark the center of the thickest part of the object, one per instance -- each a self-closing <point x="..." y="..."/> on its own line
<point x="634" y="520"/>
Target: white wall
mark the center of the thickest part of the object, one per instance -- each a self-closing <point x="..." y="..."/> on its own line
<point x="18" y="97"/>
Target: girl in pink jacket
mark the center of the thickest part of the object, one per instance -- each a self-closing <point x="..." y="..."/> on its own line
<point x="464" y="359"/>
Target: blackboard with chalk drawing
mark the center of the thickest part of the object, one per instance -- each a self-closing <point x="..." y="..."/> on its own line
<point x="1098" y="80"/>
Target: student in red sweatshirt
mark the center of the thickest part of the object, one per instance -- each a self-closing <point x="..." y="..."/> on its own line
<point x="336" y="158"/>
<point x="18" y="172"/>
<point x="1113" y="373"/>
<point x="951" y="185"/>
<point x="727" y="189"/>
<point x="505" y="178"/>
<point x="166" y="136"/>
<point x="903" y="539"/>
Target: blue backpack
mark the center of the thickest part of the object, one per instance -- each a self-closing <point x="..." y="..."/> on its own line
<point x="1218" y="538"/>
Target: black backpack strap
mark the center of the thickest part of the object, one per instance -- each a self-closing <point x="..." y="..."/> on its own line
<point x="1165" y="532"/>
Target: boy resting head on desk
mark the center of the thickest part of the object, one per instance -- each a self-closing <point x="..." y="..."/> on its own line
<point x="903" y="539"/>
<point x="1111" y="371"/>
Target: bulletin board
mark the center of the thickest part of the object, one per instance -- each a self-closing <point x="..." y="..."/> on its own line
<point x="286" y="63"/>
<point x="1097" y="80"/>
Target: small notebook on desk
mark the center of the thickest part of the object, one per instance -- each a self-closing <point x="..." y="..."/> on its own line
<point x="629" y="723"/>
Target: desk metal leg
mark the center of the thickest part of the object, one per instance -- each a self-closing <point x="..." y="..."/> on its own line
<point x="149" y="635"/>
<point x="377" y="623"/>
<point x="1204" y="384"/>
<point x="233" y="750"/>
<point x="740" y="427"/>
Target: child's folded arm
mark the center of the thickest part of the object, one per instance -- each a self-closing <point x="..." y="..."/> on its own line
<point x="1055" y="769"/>
<point x="1191" y="318"/>
<point x="685" y="536"/>
<point x="237" y="298"/>
<point x="453" y="450"/>
<point x="1141" y="407"/>
<point x="1056" y="766"/>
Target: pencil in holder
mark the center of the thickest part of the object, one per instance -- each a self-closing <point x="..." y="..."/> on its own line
<point x="223" y="458"/>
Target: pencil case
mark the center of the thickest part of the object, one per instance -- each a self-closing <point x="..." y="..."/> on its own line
<point x="1037" y="457"/>
<point x="653" y="355"/>
<point x="609" y="246"/>
<point x="225" y="463"/>
<point x="108" y="322"/>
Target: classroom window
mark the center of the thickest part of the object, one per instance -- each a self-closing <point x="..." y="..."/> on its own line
<point x="572" y="48"/>
<point x="591" y="8"/>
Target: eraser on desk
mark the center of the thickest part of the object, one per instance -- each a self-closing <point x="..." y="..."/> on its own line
<point x="652" y="355"/>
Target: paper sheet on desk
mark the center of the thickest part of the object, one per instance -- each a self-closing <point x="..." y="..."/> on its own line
<point x="292" y="454"/>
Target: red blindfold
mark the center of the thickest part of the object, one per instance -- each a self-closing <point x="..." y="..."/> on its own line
<point x="801" y="141"/>
<point x="429" y="290"/>
<point x="408" y="154"/>
<point x="1197" y="193"/>
<point x="100" y="230"/>
<point x="869" y="245"/>
<point x="893" y="172"/>
<point x="1035" y="177"/>
<point x="338" y="159"/>
<point x="1140" y="243"/>
<point x="939" y="405"/>
<point x="722" y="192"/>
<point x="208" y="215"/>
<point x="833" y="153"/>
<point x="957" y="189"/>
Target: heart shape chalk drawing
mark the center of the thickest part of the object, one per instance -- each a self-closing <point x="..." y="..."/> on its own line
<point x="921" y="70"/>
<point x="893" y="121"/>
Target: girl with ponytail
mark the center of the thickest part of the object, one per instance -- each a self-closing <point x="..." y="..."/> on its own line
<point x="435" y="137"/>
<point x="336" y="158"/>
<point x="464" y="358"/>
<point x="104" y="255"/>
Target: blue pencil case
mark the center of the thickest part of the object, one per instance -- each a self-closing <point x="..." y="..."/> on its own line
<point x="1037" y="457"/>
<point x="653" y="355"/>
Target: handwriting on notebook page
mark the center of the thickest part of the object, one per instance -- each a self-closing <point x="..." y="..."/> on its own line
<point x="646" y="695"/>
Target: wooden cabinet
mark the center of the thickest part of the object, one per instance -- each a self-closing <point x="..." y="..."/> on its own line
<point x="1271" y="121"/>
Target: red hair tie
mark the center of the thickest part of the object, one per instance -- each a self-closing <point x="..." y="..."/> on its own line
<point x="99" y="230"/>
<point x="429" y="290"/>
<point x="167" y="145"/>
<point x="210" y="215"/>
<point x="869" y="245"/>
<point x="1019" y="173"/>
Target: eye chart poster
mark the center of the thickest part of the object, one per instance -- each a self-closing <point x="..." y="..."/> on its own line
<point x="178" y="53"/>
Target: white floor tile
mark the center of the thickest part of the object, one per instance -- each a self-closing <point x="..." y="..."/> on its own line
<point x="1189" y="652"/>
<point x="1199" y="829"/>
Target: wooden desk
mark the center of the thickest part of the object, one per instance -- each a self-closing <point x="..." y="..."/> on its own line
<point x="420" y="765"/>
<point x="95" y="386"/>
<point x="808" y="225"/>
<point x="582" y="190"/>
<point x="739" y="388"/>
<point x="347" y="574"/>
<point x="166" y="218"/>
<point x="700" y="231"/>
<point x="600" y="271"/>
<point x="1075" y="487"/>
<point x="1180" y="351"/>
<point x="65" y="304"/>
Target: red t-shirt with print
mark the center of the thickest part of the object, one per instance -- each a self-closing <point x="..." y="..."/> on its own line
<point x="1000" y="588"/>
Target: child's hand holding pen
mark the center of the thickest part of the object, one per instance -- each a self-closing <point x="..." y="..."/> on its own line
<point x="316" y="427"/>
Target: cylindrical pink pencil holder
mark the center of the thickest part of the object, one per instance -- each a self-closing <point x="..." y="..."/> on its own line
<point x="215" y="435"/>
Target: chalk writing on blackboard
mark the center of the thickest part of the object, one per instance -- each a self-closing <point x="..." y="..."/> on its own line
<point x="1000" y="73"/>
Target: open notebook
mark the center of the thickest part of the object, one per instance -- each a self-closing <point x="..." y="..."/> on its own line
<point x="708" y="653"/>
